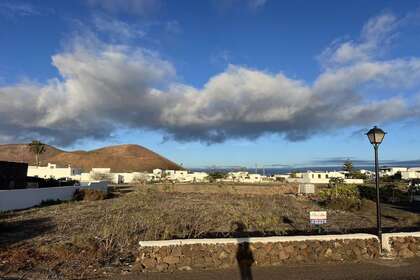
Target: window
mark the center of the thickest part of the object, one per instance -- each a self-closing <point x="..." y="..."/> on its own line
<point x="326" y="176"/>
<point x="319" y="176"/>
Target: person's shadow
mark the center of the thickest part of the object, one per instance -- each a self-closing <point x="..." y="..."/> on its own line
<point x="244" y="254"/>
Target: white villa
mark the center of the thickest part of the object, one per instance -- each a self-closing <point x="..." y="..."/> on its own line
<point x="411" y="173"/>
<point x="391" y="171"/>
<point x="319" y="177"/>
<point x="246" y="177"/>
<point x="52" y="171"/>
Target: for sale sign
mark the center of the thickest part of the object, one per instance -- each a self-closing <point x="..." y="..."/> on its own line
<point x="318" y="217"/>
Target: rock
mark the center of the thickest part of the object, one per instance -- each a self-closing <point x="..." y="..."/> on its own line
<point x="149" y="263"/>
<point x="223" y="255"/>
<point x="171" y="260"/>
<point x="406" y="253"/>
<point x="283" y="255"/>
<point x="185" y="268"/>
<point x="176" y="251"/>
<point x="162" y="267"/>
<point x="328" y="253"/>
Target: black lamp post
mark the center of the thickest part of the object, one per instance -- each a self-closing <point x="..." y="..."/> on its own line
<point x="376" y="135"/>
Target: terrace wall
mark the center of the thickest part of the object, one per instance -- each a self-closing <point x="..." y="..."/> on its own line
<point x="190" y="254"/>
<point x="403" y="245"/>
<point x="170" y="255"/>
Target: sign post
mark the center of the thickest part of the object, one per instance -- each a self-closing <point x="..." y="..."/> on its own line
<point x="318" y="218"/>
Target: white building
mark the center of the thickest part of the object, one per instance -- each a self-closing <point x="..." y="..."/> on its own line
<point x="319" y="177"/>
<point x="52" y="171"/>
<point x="246" y="177"/>
<point x="391" y="171"/>
<point x="411" y="173"/>
<point x="184" y="176"/>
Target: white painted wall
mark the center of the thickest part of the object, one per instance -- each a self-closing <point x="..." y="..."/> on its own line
<point x="26" y="198"/>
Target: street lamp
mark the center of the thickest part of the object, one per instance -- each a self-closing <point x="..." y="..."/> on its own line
<point x="376" y="135"/>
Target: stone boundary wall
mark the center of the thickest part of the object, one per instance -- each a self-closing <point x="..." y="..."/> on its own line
<point x="189" y="254"/>
<point x="403" y="244"/>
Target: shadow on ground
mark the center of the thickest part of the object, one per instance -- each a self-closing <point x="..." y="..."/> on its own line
<point x="15" y="231"/>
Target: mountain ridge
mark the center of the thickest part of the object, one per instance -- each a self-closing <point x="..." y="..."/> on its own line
<point x="120" y="158"/>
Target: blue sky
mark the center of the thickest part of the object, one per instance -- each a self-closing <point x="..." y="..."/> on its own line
<point x="218" y="82"/>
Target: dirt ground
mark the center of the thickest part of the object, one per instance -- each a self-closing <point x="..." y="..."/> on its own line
<point x="82" y="239"/>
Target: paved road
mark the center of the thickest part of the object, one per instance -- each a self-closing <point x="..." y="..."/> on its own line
<point x="379" y="269"/>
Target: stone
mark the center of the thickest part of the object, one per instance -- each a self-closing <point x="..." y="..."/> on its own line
<point x="289" y="249"/>
<point x="283" y="255"/>
<point x="162" y="267"/>
<point x="328" y="252"/>
<point x="406" y="253"/>
<point x="176" y="251"/>
<point x="185" y="268"/>
<point x="223" y="255"/>
<point x="171" y="260"/>
<point x="149" y="263"/>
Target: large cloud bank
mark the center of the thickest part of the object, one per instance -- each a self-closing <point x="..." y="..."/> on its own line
<point x="103" y="87"/>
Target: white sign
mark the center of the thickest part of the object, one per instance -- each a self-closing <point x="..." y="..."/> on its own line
<point x="318" y="217"/>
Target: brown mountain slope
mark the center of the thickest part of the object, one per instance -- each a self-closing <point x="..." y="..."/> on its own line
<point x="122" y="158"/>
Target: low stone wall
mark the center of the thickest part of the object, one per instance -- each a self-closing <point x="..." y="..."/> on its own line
<point x="403" y="245"/>
<point x="190" y="254"/>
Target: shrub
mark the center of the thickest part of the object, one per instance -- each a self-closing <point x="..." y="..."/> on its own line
<point x="343" y="197"/>
<point x="90" y="195"/>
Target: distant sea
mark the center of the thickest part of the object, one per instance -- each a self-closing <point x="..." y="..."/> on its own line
<point x="282" y="170"/>
<point x="289" y="169"/>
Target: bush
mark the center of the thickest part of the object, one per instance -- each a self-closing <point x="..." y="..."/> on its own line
<point x="388" y="193"/>
<point x="341" y="197"/>
<point x="89" y="195"/>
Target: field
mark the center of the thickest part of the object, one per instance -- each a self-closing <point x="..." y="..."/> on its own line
<point x="90" y="238"/>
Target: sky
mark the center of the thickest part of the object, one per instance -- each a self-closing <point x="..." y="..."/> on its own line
<point x="214" y="83"/>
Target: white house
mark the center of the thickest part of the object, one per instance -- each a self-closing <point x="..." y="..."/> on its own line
<point x="411" y="173"/>
<point x="185" y="176"/>
<point x="391" y="171"/>
<point x="319" y="177"/>
<point x="52" y="171"/>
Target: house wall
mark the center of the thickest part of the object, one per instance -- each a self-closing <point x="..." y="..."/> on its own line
<point x="52" y="171"/>
<point x="407" y="175"/>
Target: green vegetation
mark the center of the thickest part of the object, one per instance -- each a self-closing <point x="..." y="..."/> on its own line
<point x="348" y="166"/>
<point x="343" y="197"/>
<point x="213" y="176"/>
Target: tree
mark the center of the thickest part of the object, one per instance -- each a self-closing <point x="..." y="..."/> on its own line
<point x="348" y="166"/>
<point x="37" y="148"/>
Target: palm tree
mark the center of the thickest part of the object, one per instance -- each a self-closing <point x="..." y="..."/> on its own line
<point x="37" y="148"/>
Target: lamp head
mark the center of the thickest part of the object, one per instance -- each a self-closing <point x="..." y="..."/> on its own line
<point x="376" y="135"/>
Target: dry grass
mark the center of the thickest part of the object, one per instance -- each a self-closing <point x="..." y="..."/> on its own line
<point x="77" y="238"/>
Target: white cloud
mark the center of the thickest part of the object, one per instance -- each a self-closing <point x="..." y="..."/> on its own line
<point x="105" y="86"/>
<point x="375" y="38"/>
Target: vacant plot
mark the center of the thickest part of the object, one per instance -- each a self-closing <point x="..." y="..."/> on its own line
<point x="85" y="238"/>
